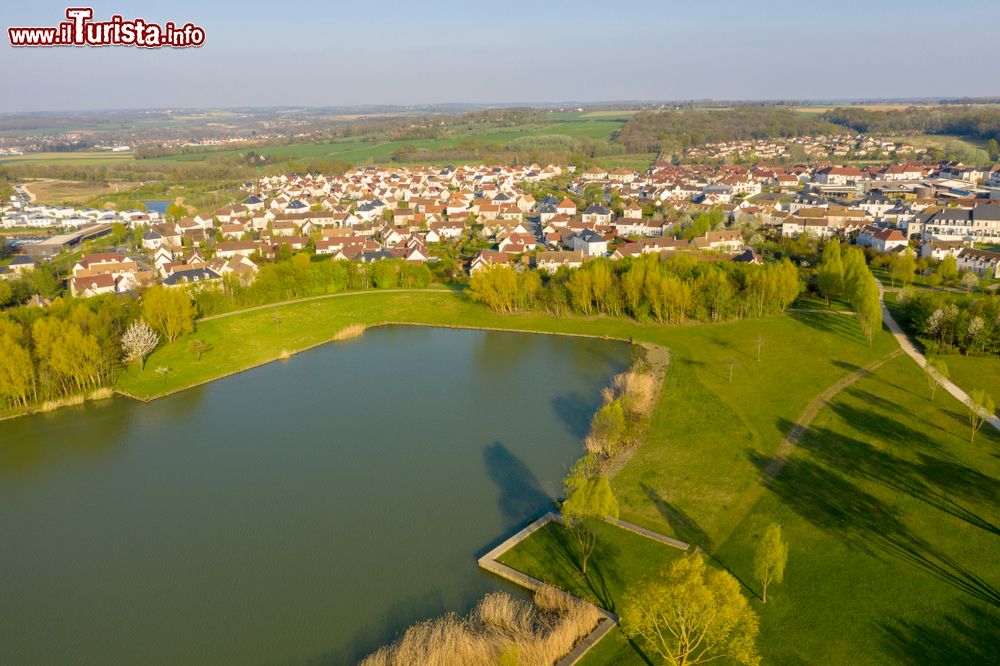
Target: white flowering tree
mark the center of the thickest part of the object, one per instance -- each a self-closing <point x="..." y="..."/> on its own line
<point x="138" y="342"/>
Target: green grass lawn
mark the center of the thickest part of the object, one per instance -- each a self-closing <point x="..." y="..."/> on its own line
<point x="976" y="372"/>
<point x="894" y="527"/>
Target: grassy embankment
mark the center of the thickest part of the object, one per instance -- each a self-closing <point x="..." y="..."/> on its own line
<point x="890" y="513"/>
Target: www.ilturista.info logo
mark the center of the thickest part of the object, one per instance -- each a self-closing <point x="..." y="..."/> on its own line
<point x="80" y="30"/>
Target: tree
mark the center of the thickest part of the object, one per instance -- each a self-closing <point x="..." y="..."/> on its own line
<point x="980" y="408"/>
<point x="162" y="372"/>
<point x="607" y="427"/>
<point x="760" y="345"/>
<point x="869" y="311"/>
<point x="969" y="280"/>
<point x="589" y="500"/>
<point x="830" y="277"/>
<point x="276" y="320"/>
<point x="992" y="149"/>
<point x="947" y="270"/>
<point x="6" y="293"/>
<point x="138" y="341"/>
<point x="169" y="311"/>
<point x="903" y="267"/>
<point x="731" y="362"/>
<point x="687" y="615"/>
<point x="772" y="555"/>
<point x="17" y="372"/>
<point x="935" y="370"/>
<point x="199" y="347"/>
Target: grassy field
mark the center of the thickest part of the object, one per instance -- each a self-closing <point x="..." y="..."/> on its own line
<point x="976" y="372"/>
<point x="77" y="158"/>
<point x="51" y="190"/>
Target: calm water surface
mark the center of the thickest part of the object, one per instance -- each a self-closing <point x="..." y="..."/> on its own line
<point x="300" y="513"/>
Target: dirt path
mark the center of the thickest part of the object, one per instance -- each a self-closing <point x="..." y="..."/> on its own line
<point x="802" y="424"/>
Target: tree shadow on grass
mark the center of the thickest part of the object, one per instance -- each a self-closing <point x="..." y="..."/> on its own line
<point x="686" y="529"/>
<point x="521" y="496"/>
<point x="831" y="323"/>
<point x="931" y="479"/>
<point x="829" y="501"/>
<point x="969" y="637"/>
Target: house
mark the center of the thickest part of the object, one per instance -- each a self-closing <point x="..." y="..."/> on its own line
<point x="723" y="240"/>
<point x="590" y="244"/>
<point x="550" y="262"/>
<point x="939" y="249"/>
<point x="980" y="262"/>
<point x="596" y="214"/>
<point x="748" y="256"/>
<point x="192" y="277"/>
<point x="93" y="285"/>
<point x="633" y="211"/>
<point x="20" y="265"/>
<point x="881" y="239"/>
<point x="566" y="207"/>
<point x="230" y="249"/>
<point x="487" y="258"/>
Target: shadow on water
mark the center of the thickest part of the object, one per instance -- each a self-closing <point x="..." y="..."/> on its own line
<point x="521" y="496"/>
<point x="575" y="411"/>
<point x="971" y="637"/>
<point x="388" y="628"/>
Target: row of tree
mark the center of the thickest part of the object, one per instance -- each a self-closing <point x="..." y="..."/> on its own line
<point x="76" y="346"/>
<point x="648" y="288"/>
<point x="843" y="274"/>
<point x="306" y="275"/>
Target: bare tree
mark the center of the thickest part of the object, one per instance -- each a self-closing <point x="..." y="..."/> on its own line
<point x="138" y="341"/>
<point x="760" y="345"/>
<point x="162" y="371"/>
<point x="980" y="408"/>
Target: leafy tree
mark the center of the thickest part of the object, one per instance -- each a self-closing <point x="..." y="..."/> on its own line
<point x="607" y="427"/>
<point x="6" y="293"/>
<point x="771" y="558"/>
<point x="830" y="276"/>
<point x="199" y="347"/>
<point x="935" y="368"/>
<point x="687" y="615"/>
<point x="169" y="311"/>
<point x="969" y="280"/>
<point x="903" y="267"/>
<point x="589" y="500"/>
<point x="980" y="408"/>
<point x="17" y="372"/>
<point x="138" y="341"/>
<point x="992" y="149"/>
<point x="947" y="270"/>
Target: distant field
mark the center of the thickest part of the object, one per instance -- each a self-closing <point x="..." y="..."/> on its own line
<point x="83" y="157"/>
<point x="71" y="191"/>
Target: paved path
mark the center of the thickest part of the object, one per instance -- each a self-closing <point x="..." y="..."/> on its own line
<point x="306" y="299"/>
<point x="912" y="352"/>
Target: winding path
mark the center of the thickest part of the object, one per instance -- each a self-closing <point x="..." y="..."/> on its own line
<point x="912" y="352"/>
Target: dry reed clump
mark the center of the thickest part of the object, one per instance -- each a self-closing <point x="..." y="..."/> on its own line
<point x="499" y="629"/>
<point x="637" y="390"/>
<point x="284" y="355"/>
<point x="349" y="331"/>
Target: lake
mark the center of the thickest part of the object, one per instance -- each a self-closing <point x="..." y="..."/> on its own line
<point x="158" y="206"/>
<point x="303" y="512"/>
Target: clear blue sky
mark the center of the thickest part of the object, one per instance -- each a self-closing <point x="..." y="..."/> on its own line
<point x="333" y="53"/>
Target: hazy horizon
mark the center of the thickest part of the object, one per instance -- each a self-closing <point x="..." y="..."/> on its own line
<point x="337" y="55"/>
